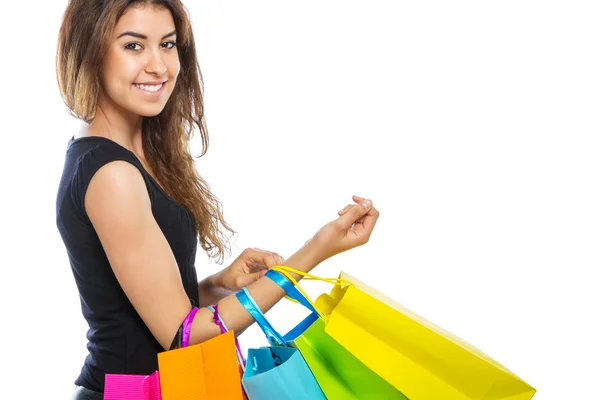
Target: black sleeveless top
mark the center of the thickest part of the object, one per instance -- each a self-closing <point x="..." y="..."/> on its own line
<point x="118" y="340"/>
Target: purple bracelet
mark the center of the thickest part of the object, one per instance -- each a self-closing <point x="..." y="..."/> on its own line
<point x="187" y="327"/>
<point x="223" y="328"/>
<point x="218" y="320"/>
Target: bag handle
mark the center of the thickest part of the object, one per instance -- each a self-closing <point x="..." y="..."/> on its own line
<point x="182" y="337"/>
<point x="293" y="292"/>
<point x="187" y="327"/>
<point x="219" y="321"/>
<point x="285" y="271"/>
<point x="310" y="277"/>
<point x="274" y="338"/>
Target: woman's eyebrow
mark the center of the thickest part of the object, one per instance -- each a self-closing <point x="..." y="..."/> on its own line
<point x="139" y="35"/>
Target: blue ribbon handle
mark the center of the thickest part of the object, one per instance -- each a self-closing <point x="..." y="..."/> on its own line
<point x="293" y="293"/>
<point x="291" y="290"/>
<point x="274" y="338"/>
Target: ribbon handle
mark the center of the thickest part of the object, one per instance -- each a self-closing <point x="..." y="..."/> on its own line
<point x="281" y="274"/>
<point x="219" y="321"/>
<point x="187" y="327"/>
<point x="292" y="291"/>
<point x="274" y="338"/>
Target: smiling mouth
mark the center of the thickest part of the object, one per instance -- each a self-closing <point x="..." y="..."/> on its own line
<point x="149" y="88"/>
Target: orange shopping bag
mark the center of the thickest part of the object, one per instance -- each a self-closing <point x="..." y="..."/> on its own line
<point x="206" y="371"/>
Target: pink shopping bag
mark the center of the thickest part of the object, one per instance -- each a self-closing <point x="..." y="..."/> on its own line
<point x="132" y="387"/>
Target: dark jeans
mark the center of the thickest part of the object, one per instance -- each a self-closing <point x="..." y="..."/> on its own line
<point x="82" y="393"/>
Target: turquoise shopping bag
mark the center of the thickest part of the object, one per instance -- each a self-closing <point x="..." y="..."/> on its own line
<point x="277" y="371"/>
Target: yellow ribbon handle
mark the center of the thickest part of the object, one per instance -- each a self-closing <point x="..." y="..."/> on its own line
<point x="285" y="271"/>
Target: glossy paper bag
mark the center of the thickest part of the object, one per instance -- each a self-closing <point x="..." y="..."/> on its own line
<point x="206" y="371"/>
<point x="417" y="357"/>
<point x="132" y="387"/>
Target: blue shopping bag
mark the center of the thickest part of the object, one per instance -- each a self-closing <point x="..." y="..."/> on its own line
<point x="277" y="371"/>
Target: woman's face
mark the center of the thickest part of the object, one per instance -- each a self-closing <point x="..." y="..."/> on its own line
<point x="142" y="64"/>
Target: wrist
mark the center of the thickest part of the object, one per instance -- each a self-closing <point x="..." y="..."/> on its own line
<point x="319" y="249"/>
<point x="212" y="289"/>
<point x="311" y="254"/>
<point x="217" y="281"/>
<point x="210" y="283"/>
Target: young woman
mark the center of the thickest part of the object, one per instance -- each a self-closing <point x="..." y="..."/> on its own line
<point x="131" y="206"/>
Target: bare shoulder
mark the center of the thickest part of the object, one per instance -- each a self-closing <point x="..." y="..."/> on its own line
<point x="117" y="191"/>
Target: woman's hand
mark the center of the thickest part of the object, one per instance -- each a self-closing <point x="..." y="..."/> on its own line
<point x="251" y="265"/>
<point x="351" y="229"/>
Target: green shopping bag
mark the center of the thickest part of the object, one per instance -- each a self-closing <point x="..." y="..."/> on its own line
<point x="339" y="374"/>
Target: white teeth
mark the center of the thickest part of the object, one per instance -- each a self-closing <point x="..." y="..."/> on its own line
<point x="149" y="88"/>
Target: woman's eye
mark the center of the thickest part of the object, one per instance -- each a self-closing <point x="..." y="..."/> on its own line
<point x="169" y="45"/>
<point x="133" y="46"/>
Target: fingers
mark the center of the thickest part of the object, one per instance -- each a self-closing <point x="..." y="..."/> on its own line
<point x="362" y="219"/>
<point x="259" y="274"/>
<point x="369" y="221"/>
<point x="345" y="209"/>
<point x="354" y="213"/>
<point x="278" y="259"/>
<point x="266" y="259"/>
<point x="357" y="199"/>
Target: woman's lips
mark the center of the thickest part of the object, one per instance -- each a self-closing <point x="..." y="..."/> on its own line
<point x="149" y="89"/>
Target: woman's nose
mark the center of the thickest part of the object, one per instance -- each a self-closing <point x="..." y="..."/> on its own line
<point x="155" y="64"/>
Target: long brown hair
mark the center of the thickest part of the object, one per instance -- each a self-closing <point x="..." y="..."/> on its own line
<point x="83" y="42"/>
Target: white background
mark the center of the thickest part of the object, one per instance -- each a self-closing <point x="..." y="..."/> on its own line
<point x="472" y="125"/>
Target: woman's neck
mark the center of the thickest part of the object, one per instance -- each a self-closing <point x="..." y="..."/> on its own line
<point x="122" y="127"/>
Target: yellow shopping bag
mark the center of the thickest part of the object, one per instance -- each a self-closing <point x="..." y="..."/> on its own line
<point x="418" y="358"/>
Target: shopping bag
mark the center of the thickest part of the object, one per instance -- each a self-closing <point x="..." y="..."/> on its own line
<point x="419" y="358"/>
<point x="241" y="360"/>
<point x="206" y="371"/>
<point x="277" y="371"/>
<point x="132" y="387"/>
<point x="339" y="374"/>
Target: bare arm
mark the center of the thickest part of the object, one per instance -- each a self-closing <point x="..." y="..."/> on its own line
<point x="211" y="291"/>
<point x="251" y="265"/>
<point x="118" y="205"/>
<point x="265" y="292"/>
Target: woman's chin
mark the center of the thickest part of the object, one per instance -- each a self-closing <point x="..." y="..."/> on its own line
<point x="149" y="111"/>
